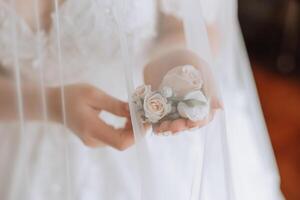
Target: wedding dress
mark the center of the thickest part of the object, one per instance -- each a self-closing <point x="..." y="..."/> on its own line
<point x="33" y="163"/>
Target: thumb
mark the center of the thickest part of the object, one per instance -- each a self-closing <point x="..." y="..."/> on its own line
<point x="216" y="104"/>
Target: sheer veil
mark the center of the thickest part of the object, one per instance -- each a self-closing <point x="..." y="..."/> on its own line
<point x="223" y="165"/>
<point x="229" y="158"/>
<point x="219" y="167"/>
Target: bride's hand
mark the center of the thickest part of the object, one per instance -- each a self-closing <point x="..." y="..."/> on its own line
<point x="180" y="125"/>
<point x="155" y="71"/>
<point x="83" y="103"/>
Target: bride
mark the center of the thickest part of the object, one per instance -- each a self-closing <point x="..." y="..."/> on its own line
<point x="69" y="67"/>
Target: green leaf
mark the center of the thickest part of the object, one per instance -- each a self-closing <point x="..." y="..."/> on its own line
<point x="194" y="102"/>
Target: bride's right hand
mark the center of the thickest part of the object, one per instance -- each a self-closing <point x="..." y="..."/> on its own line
<point x="83" y="103"/>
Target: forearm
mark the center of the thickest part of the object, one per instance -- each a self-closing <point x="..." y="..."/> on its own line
<point x="31" y="101"/>
<point x="170" y="49"/>
<point x="172" y="36"/>
<point x="156" y="69"/>
<point x="169" y="43"/>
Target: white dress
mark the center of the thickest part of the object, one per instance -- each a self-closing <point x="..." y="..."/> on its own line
<point x="90" y="50"/>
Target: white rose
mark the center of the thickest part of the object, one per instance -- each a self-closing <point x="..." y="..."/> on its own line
<point x="183" y="79"/>
<point x="166" y="91"/>
<point x="139" y="94"/>
<point x="142" y="91"/>
<point x="156" y="107"/>
<point x="194" y="107"/>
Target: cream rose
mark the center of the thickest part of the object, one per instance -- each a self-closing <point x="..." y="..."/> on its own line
<point x="140" y="93"/>
<point x="156" y="107"/>
<point x="183" y="79"/>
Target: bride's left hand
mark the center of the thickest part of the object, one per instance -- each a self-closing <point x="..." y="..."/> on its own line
<point x="155" y="71"/>
<point x="180" y="125"/>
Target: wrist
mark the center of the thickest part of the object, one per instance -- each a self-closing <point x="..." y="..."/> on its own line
<point x="54" y="104"/>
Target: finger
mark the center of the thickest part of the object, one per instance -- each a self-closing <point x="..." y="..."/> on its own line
<point x="211" y="115"/>
<point x="164" y="126"/>
<point x="201" y="123"/>
<point x="90" y="142"/>
<point x="128" y="125"/>
<point x="120" y="139"/>
<point x="155" y="128"/>
<point x="115" y="106"/>
<point x="111" y="104"/>
<point x="216" y="104"/>
<point x="178" y="125"/>
<point x="146" y="128"/>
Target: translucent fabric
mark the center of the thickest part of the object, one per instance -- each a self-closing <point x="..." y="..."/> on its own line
<point x="114" y="47"/>
<point x="203" y="165"/>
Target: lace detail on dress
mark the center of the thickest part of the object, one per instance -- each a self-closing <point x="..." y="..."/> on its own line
<point x="88" y="33"/>
<point x="26" y="39"/>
